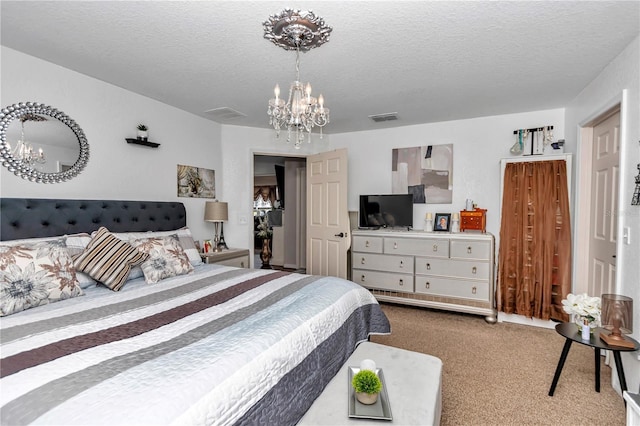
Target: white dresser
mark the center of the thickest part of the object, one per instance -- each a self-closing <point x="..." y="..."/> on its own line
<point x="433" y="269"/>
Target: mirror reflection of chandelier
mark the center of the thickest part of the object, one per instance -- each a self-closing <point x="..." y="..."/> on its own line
<point x="299" y="31"/>
<point x="24" y="150"/>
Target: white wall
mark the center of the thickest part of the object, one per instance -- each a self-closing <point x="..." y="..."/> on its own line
<point x="622" y="74"/>
<point x="478" y="146"/>
<point x="109" y="114"/>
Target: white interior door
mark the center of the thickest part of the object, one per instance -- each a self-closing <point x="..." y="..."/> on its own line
<point x="328" y="232"/>
<point x="604" y="202"/>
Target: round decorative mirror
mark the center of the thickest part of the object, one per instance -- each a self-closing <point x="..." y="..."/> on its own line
<point x="41" y="144"/>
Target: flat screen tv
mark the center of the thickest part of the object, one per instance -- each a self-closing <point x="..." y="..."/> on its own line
<point x="386" y="211"/>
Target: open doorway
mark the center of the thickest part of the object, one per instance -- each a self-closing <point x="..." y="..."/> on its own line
<point x="279" y="205"/>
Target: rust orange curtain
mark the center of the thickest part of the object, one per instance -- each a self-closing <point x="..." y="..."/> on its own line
<point x="534" y="267"/>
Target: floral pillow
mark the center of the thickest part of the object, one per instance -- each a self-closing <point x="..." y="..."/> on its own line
<point x="35" y="274"/>
<point x="166" y="258"/>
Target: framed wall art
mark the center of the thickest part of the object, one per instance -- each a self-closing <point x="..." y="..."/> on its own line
<point x="196" y="182"/>
<point x="424" y="171"/>
<point x="442" y="222"/>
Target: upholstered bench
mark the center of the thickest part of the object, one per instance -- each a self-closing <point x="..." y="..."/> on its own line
<point x="413" y="384"/>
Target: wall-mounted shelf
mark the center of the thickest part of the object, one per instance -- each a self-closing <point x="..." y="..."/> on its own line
<point x="142" y="142"/>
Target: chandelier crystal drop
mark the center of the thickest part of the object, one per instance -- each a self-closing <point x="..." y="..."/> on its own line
<point x="299" y="31"/>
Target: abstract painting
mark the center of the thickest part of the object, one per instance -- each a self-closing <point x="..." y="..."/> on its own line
<point x="424" y="171"/>
<point x="196" y="182"/>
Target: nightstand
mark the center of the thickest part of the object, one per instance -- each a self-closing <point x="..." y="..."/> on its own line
<point x="231" y="257"/>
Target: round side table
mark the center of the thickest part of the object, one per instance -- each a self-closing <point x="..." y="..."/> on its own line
<point x="570" y="332"/>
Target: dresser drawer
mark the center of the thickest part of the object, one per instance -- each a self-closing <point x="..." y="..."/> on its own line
<point x="383" y="280"/>
<point x="448" y="287"/>
<point x="368" y="244"/>
<point x="471" y="250"/>
<point x="382" y="262"/>
<point x="413" y="246"/>
<point x="470" y="269"/>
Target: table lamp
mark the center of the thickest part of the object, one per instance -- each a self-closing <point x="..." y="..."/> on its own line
<point x="216" y="212"/>
<point x="617" y="316"/>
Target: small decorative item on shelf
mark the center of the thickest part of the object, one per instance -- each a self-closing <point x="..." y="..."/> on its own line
<point x="455" y="222"/>
<point x="475" y="219"/>
<point x="428" y="222"/>
<point x="367" y="386"/>
<point x="143" y="132"/>
<point x="443" y="222"/>
<point x="585" y="310"/>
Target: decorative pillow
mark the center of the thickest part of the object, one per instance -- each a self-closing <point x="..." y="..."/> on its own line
<point x="166" y="258"/>
<point x="184" y="236"/>
<point x="35" y="274"/>
<point x="108" y="259"/>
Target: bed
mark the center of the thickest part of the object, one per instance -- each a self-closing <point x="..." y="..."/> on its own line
<point x="216" y="345"/>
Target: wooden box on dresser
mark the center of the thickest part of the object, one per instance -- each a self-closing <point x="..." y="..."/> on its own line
<point x="433" y="269"/>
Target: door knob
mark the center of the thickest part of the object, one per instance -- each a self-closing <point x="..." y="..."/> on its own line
<point x="339" y="235"/>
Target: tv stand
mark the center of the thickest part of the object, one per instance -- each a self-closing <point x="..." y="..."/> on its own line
<point x="450" y="271"/>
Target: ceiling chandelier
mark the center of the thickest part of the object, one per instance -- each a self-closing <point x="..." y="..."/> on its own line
<point x="300" y="31"/>
<point x="24" y="150"/>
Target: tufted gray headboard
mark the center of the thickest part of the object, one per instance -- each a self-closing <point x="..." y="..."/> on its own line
<point x="39" y="217"/>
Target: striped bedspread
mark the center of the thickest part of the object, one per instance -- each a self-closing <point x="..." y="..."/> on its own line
<point x="219" y="346"/>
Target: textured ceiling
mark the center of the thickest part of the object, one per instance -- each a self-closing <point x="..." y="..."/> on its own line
<point x="428" y="61"/>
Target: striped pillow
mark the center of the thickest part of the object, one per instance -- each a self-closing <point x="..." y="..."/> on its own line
<point x="108" y="259"/>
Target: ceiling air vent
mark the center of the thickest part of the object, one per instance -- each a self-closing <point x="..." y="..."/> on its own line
<point x="390" y="116"/>
<point x="224" y="114"/>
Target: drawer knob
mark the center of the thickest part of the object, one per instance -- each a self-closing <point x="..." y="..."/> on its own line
<point x="435" y="247"/>
<point x="474" y="270"/>
<point x="362" y="261"/>
<point x="401" y="282"/>
<point x="427" y="285"/>
<point x="395" y="245"/>
<point x="402" y="264"/>
<point x="469" y="249"/>
<point x="428" y="266"/>
<point x="474" y="290"/>
<point x="362" y="278"/>
<point x="366" y="244"/>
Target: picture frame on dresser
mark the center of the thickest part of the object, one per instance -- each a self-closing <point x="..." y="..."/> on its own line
<point x="442" y="222"/>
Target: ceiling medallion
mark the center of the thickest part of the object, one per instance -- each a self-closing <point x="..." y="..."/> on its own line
<point x="296" y="30"/>
<point x="301" y="32"/>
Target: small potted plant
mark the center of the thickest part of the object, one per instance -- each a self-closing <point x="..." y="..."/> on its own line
<point x="142" y="132"/>
<point x="367" y="385"/>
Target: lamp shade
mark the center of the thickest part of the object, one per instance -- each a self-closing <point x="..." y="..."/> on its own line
<point x="215" y="211"/>
<point x="617" y="312"/>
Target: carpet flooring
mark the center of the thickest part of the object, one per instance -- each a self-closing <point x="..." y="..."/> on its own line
<point x="500" y="374"/>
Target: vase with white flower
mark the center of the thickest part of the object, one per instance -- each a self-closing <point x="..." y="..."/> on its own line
<point x="584" y="309"/>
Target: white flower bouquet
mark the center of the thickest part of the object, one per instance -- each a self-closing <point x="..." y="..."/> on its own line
<point x="583" y="307"/>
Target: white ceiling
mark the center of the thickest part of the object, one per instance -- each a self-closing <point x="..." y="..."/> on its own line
<point x="428" y="61"/>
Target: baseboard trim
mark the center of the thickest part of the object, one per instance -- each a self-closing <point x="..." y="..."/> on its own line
<point x="520" y="319"/>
